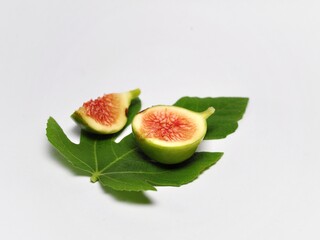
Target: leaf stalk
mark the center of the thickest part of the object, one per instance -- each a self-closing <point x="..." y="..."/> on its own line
<point x="95" y="177"/>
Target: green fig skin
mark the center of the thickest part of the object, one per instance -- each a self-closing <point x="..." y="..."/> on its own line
<point x="167" y="154"/>
<point x="77" y="117"/>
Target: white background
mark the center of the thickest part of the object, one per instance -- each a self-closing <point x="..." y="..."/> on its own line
<point x="54" y="55"/>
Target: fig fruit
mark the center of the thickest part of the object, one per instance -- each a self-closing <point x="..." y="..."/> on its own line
<point x="106" y="114"/>
<point x="170" y="134"/>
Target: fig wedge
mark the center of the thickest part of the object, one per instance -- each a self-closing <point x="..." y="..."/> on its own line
<point x="106" y="114"/>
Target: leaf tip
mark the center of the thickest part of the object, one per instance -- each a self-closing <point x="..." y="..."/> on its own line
<point x="50" y="123"/>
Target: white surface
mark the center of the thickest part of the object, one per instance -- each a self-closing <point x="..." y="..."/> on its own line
<point x="56" y="54"/>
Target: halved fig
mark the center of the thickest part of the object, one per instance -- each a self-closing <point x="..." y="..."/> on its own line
<point x="170" y="134"/>
<point x="106" y="114"/>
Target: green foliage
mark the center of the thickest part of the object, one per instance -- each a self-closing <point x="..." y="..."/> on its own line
<point x="225" y="119"/>
<point x="122" y="166"/>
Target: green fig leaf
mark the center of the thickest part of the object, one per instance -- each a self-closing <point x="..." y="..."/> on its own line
<point x="122" y="166"/>
<point x="224" y="121"/>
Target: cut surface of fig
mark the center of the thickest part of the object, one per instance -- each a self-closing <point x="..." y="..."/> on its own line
<point x="170" y="134"/>
<point x="106" y="114"/>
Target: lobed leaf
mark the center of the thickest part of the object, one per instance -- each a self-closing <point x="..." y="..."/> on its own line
<point x="122" y="166"/>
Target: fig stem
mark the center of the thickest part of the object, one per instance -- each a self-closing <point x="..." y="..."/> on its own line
<point x="207" y="113"/>
<point x="135" y="93"/>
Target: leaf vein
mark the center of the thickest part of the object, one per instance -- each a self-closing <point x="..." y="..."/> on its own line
<point x="133" y="172"/>
<point x="117" y="160"/>
<point x="113" y="151"/>
<point x="95" y="154"/>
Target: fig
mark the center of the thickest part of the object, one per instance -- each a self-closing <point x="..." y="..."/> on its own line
<point x="106" y="114"/>
<point x="170" y="134"/>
